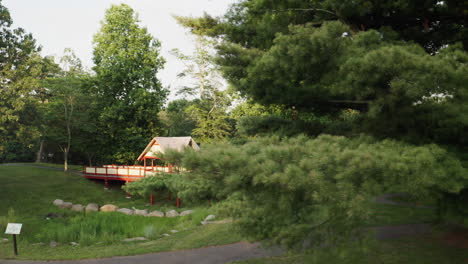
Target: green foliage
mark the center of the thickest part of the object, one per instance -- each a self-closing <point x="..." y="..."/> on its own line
<point x="209" y="110"/>
<point x="383" y="59"/>
<point x="291" y="189"/>
<point x="104" y="227"/>
<point x="177" y="121"/>
<point x="21" y="72"/>
<point x="147" y="185"/>
<point x="129" y="94"/>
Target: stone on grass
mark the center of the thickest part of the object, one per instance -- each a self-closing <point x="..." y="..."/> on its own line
<point x="172" y="213"/>
<point x="210" y="217"/>
<point x="126" y="211"/>
<point x="174" y="231"/>
<point x="77" y="208"/>
<point x="54" y="215"/>
<point x="187" y="212"/>
<point x="141" y="212"/>
<point x="166" y="235"/>
<point x="74" y="244"/>
<point x="66" y="205"/>
<point x="134" y="239"/>
<point x="4" y="240"/>
<point x="53" y="244"/>
<point x="58" y="202"/>
<point x="156" y="214"/>
<point x="108" y="208"/>
<point x="92" y="207"/>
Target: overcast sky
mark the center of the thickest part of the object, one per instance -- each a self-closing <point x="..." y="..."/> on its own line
<point x="60" y="24"/>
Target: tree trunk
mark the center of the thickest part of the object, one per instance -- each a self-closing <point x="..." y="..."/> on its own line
<point x="65" y="160"/>
<point x="39" y="152"/>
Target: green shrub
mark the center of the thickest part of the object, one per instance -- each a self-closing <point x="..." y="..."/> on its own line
<point x="291" y="189"/>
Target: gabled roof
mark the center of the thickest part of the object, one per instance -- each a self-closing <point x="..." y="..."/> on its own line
<point x="165" y="143"/>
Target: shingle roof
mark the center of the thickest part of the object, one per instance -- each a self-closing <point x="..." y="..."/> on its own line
<point x="165" y="143"/>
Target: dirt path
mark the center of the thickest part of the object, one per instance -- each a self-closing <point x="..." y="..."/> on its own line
<point x="208" y="255"/>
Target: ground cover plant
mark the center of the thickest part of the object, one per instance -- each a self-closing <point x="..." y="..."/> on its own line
<point x="27" y="194"/>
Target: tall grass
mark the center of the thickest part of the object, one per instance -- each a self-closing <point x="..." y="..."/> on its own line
<point x="112" y="227"/>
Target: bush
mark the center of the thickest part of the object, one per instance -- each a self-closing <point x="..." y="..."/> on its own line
<point x="291" y="189"/>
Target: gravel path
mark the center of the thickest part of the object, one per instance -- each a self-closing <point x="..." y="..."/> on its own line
<point x="208" y="255"/>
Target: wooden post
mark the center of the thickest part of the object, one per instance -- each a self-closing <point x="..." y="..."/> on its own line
<point x="15" y="247"/>
<point x="178" y="202"/>
<point x="106" y="184"/>
<point x="151" y="199"/>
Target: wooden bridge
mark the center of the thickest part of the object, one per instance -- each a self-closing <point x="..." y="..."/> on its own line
<point x="123" y="173"/>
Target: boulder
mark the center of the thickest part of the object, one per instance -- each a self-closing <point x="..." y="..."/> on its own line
<point x="172" y="213"/>
<point x="77" y="208"/>
<point x="92" y="207"/>
<point x="141" y="212"/>
<point x="134" y="239"/>
<point x="108" y="208"/>
<point x="156" y="214"/>
<point x="126" y="211"/>
<point x="209" y="218"/>
<point x="66" y="205"/>
<point x="187" y="212"/>
<point x="53" y="244"/>
<point x="58" y="202"/>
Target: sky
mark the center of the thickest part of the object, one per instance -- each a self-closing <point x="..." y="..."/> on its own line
<point x="60" y="24"/>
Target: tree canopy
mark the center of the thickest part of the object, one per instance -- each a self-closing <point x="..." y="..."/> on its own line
<point x="402" y="64"/>
<point x="129" y="94"/>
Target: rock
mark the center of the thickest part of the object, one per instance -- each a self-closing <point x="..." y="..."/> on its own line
<point x="92" y="207"/>
<point x="156" y="214"/>
<point x="134" y="239"/>
<point x="108" y="208"/>
<point x="58" y="202"/>
<point x="74" y="244"/>
<point x="187" y="212"/>
<point x="38" y="244"/>
<point x="203" y="222"/>
<point x="66" y="205"/>
<point x="53" y="244"/>
<point x="77" y="208"/>
<point x="53" y="215"/>
<point x="4" y="240"/>
<point x="126" y="211"/>
<point x="174" y="231"/>
<point x="209" y="218"/>
<point x="172" y="213"/>
<point x="141" y="212"/>
<point x="166" y="235"/>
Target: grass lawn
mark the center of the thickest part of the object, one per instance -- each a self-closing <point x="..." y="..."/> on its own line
<point x="26" y="195"/>
<point x="56" y="165"/>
